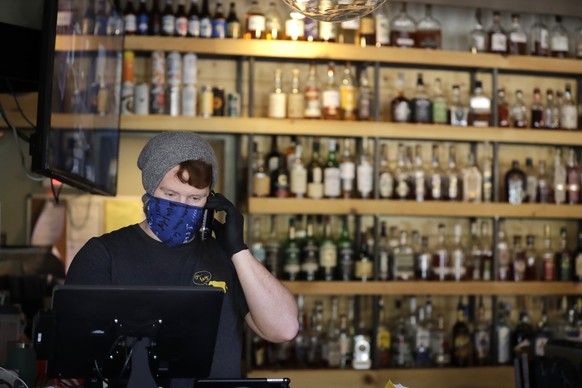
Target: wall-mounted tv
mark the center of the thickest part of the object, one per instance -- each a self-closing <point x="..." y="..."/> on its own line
<point x="77" y="132"/>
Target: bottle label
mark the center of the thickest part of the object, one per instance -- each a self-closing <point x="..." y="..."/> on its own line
<point x="331" y="182"/>
<point x="364" y="179"/>
<point x="348" y="99"/>
<point x="568" y="118"/>
<point x="498" y="42"/>
<point x="312" y="103"/>
<point x="544" y="39"/>
<point x="559" y="43"/>
<point x="331" y="101"/>
<point x="219" y="29"/>
<point x="482" y="344"/>
<point x="189" y="100"/>
<point x="299" y="181"/>
<point x="478" y="42"/>
<point x="382" y="30"/>
<point x="540" y="345"/>
<point x="168" y="24"/>
<point x="386" y="185"/>
<point x="347" y="170"/>
<point x="328" y="255"/>
<point x="364" y="102"/>
<point x="181" y="26"/>
<point x="142" y="24"/>
<point x="518" y="37"/>
<point x="327" y="31"/>
<point x="205" y="28"/>
<point x="402" y="112"/>
<point x="404" y="266"/>
<point x="315" y="190"/>
<point x="363" y="269"/>
<point x="440" y="112"/>
<point x="503" y="345"/>
<point x="194" y="27"/>
<point x="296" y="106"/>
<point x="294" y="29"/>
<point x="233" y="30"/>
<point x="277" y="105"/>
<point x="64" y="18"/>
<point x="261" y="185"/>
<point x="256" y="23"/>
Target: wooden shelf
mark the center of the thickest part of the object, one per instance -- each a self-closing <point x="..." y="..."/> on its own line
<point x="410" y="208"/>
<point x="449" y="288"/>
<point x="86" y="121"/>
<point x="476" y="377"/>
<point x="266" y="126"/>
<point x="342" y="52"/>
<point x="88" y="43"/>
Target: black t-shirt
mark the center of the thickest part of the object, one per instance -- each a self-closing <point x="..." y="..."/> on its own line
<point x="129" y="256"/>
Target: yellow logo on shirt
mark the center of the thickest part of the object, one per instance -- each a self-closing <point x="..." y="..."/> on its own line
<point x="204" y="278"/>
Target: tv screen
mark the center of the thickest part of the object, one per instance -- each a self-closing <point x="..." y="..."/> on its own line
<point x="77" y="134"/>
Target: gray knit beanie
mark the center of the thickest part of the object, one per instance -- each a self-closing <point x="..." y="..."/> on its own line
<point x="167" y="150"/>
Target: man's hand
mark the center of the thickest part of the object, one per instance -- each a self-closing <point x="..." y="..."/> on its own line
<point x="230" y="233"/>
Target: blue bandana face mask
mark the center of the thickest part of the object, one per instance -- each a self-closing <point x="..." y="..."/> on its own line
<point x="174" y="223"/>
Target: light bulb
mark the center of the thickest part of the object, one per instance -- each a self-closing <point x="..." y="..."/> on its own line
<point x="334" y="10"/>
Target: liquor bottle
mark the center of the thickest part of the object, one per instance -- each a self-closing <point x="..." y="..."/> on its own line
<point x="544" y="186"/>
<point x="458" y="263"/>
<point x="434" y="177"/>
<point x="142" y="18"/>
<point x="537" y="110"/>
<point x="441" y="261"/>
<point x="274" y="155"/>
<point x="517" y="42"/>
<point x="364" y="171"/>
<point x="474" y="254"/>
<point x="328" y="32"/>
<point x="503" y="336"/>
<point x="331" y="96"/>
<point x="472" y="181"/>
<point x="422" y="355"/>
<point x="383" y="254"/>
<point x="345" y="252"/>
<point x="273" y="22"/>
<point x="573" y="178"/>
<point x="560" y="178"/>
<point x="316" y="337"/>
<point x="333" y="351"/>
<point x="88" y="21"/>
<point x="280" y="179"/>
<point x="364" y="93"/>
<point x="403" y="261"/>
<point x="295" y="26"/>
<point x="129" y="18"/>
<point x="233" y="25"/>
<point x="487" y="172"/>
<point x="261" y="176"/>
<point x="461" y="343"/>
<point x="580" y="98"/>
<point x="114" y="20"/>
<point x="578" y="260"/>
<point x="278" y="98"/>
<point x="383" y="338"/>
<point x="315" y="173"/>
<point x="218" y="22"/>
<point x="419" y="175"/>
<point x="348" y="95"/>
<point x="402" y="185"/>
<point x="457" y="114"/>
<point x="578" y="45"/>
<point x="403" y="29"/>
<point x="101" y="15"/>
<point x="440" y="105"/>
<point x="254" y="18"/>
<point x="331" y="173"/>
<point x="348" y="28"/>
<point x="515" y="184"/>
<point x="428" y="30"/>
<point x="311" y="93"/>
<point x="503" y="114"/>
<point x="347" y="169"/>
<point x="364" y="263"/>
<point x="181" y="19"/>
<point x="295" y="99"/>
<point x="519" y="111"/>
<point x="310" y="29"/>
<point x="551" y="112"/>
<point x="365" y="34"/>
<point x="386" y="176"/>
<point x="564" y="259"/>
<point x="289" y="151"/>
<point x="539" y="43"/>
<point x="518" y="259"/>
<point x="523" y="335"/>
<point x="346" y="342"/>
<point x="543" y="332"/>
<point x="559" y="40"/>
<point x="258" y="244"/>
<point x="486" y="253"/>
<point x="503" y="254"/>
<point x="531" y="178"/>
<point x="298" y="174"/>
<point x="292" y="254"/>
<point x="478" y="37"/>
<point x="439" y="343"/>
<point x="382" y="27"/>
<point x="273" y="251"/>
<point x="421" y="103"/>
<point x="548" y="264"/>
<point x="497" y="36"/>
<point x="482" y="337"/>
<point x="568" y="111"/>
<point x="169" y="19"/>
<point x="400" y="107"/>
<point x="453" y="178"/>
<point x="193" y="29"/>
<point x="327" y="253"/>
<point x="531" y="259"/>
<point x="479" y="107"/>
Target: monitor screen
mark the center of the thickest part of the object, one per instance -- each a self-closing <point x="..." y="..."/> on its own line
<point x="77" y="132"/>
<point x="94" y="326"/>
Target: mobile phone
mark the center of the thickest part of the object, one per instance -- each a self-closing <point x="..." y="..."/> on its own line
<point x="207" y="219"/>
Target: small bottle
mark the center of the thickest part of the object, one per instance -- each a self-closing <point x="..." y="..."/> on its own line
<point x="518" y="259"/>
<point x="479" y="107"/>
<point x="503" y="114"/>
<point x="328" y="31"/>
<point x="331" y="173"/>
<point x="364" y="93"/>
<point x="539" y="42"/>
<point x="261" y="176"/>
<point x="218" y="22"/>
<point x="403" y="29"/>
<point x="551" y="111"/>
<point x="193" y="20"/>
<point x="421" y="103"/>
<point x="400" y="107"/>
<point x="515" y="184"/>
<point x="331" y="96"/>
<point x="517" y="37"/>
<point x="497" y="36"/>
<point x="348" y="95"/>
<point x="458" y="112"/>
<point x="181" y="19"/>
<point x="273" y="22"/>
<point x="129" y="18"/>
<point x="519" y="111"/>
<point x="255" y="27"/>
<point x="559" y="40"/>
<point x="295" y="99"/>
<point x="311" y="93"/>
<point x="233" y="25"/>
<point x="531" y="181"/>
<point x="568" y="111"/>
<point x="168" y="19"/>
<point x="564" y="259"/>
<point x="278" y="98"/>
<point x="559" y="178"/>
<point x="537" y="110"/>
<point x="478" y="38"/>
<point x="428" y="30"/>
<point x="440" y="105"/>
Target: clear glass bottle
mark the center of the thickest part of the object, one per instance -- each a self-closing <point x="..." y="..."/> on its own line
<point x="403" y="264"/>
<point x="453" y="182"/>
<point x="295" y="26"/>
<point x="382" y="26"/>
<point x="348" y="95"/>
<point x="441" y="261"/>
<point x="386" y="176"/>
<point x="478" y="38"/>
<point x="292" y="254"/>
<point x="458" y="256"/>
<point x="572" y="178"/>
<point x="298" y="174"/>
<point x="559" y="178"/>
<point x="487" y="172"/>
<point x="544" y="186"/>
<point x="503" y="112"/>
<point x="261" y="176"/>
<point x="482" y="336"/>
<point x="564" y="258"/>
<point x="518" y="259"/>
<point x="193" y="29"/>
<point x="278" y="98"/>
<point x="551" y="111"/>
<point x="295" y="99"/>
<point x="403" y="29"/>
<point x="402" y="185"/>
<point x="537" y="110"/>
<point x="515" y="184"/>
<point x="440" y="105"/>
<point x="559" y="39"/>
<point x="517" y="42"/>
<point x="531" y="177"/>
<point x="497" y="36"/>
<point x="347" y="167"/>
<point x="440" y="343"/>
<point x="419" y="175"/>
<point x="327" y="253"/>
<point x="310" y="253"/>
<point x="548" y="272"/>
<point x="539" y="38"/>
<point x="458" y="112"/>
<point x="365" y="171"/>
<point x="428" y="31"/>
<point x="311" y="93"/>
<point x="531" y="258"/>
<point x="331" y="95"/>
<point x="400" y="107"/>
<point x="421" y="103"/>
<point x="486" y="252"/>
<point x="273" y="22"/>
<point x="365" y="95"/>
<point x="472" y="181"/>
<point x="423" y="268"/>
<point x="503" y="336"/>
<point x="435" y="176"/>
<point x="345" y="252"/>
<point x="331" y="173"/>
<point x="479" y="107"/>
<point x="568" y="110"/>
<point x="474" y="253"/>
<point x="518" y="112"/>
<point x="504" y="268"/>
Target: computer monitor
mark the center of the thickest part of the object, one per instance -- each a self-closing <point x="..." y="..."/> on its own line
<point x="92" y="329"/>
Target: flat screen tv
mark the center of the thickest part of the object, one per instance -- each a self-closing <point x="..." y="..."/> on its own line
<point x="77" y="132"/>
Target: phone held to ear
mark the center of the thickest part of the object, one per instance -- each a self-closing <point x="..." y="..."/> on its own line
<point x="206" y="229"/>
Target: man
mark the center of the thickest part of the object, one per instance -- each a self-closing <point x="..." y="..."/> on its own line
<point x="179" y="171"/>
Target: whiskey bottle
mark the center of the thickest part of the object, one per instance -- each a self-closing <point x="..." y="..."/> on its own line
<point x="544" y="187"/>
<point x="328" y="32"/>
<point x="519" y="111"/>
<point x="315" y="173"/>
<point x="168" y="19"/>
<point x="428" y="30"/>
<point x="559" y="40"/>
<point x="346" y="342"/>
<point x="273" y="22"/>
<point x="503" y="254"/>
<point x="457" y="111"/>
<point x="254" y="21"/>
<point x="233" y="25"/>
<point x="383" y="338"/>
<point x="331" y="96"/>
<point x="181" y="19"/>
<point x="382" y="27"/>
<point x="386" y="179"/>
<point x="364" y="264"/>
<point x="474" y="253"/>
<point x="218" y="22"/>
<point x="129" y="18"/>
<point x="487" y="169"/>
<point x="548" y="264"/>
<point x="537" y="110"/>
<point x="331" y="173"/>
<point x="348" y="29"/>
<point x="295" y="99"/>
<point x="531" y="179"/>
<point x="205" y="20"/>
<point x="422" y="268"/>
<point x="543" y="332"/>
<point x="402" y="186"/>
<point x="539" y="44"/>
<point x="551" y="112"/>
<point x="453" y="179"/>
<point x="472" y="181"/>
<point x="458" y="264"/>
<point x="440" y="105"/>
<point x="311" y="93"/>
<point x="294" y="27"/>
<point x="298" y="175"/>
<point x="441" y="262"/>
<point x="482" y="337"/>
<point x="573" y="177"/>
<point x="486" y="253"/>
<point x="258" y="242"/>
<point x="515" y="184"/>
<point x="403" y="29"/>
<point x="564" y="259"/>
<point x="419" y="175"/>
<point x="327" y="253"/>
<point x="261" y="177"/>
<point x="383" y="254"/>
<point x="347" y="168"/>
<point x="517" y="37"/>
<point x="434" y="176"/>
<point x="365" y="171"/>
<point x="273" y="251"/>
<point x="310" y="253"/>
<point x="559" y="178"/>
<point x="364" y="93"/>
<point x="518" y="259"/>
<point x="193" y="20"/>
<point x="292" y="254"/>
<point x="578" y="260"/>
<point x="523" y="335"/>
<point x="497" y="36"/>
<point x="274" y="156"/>
<point x="142" y="18"/>
<point x="568" y="111"/>
<point x="348" y="95"/>
<point x="439" y="343"/>
<point x="345" y="252"/>
<point x="421" y="103"/>
<point x="479" y="107"/>
<point x="365" y="34"/>
<point x="422" y="356"/>
<point x="503" y="114"/>
<point x="280" y="179"/>
<point x="531" y="259"/>
<point x="278" y="98"/>
<point x="503" y="336"/>
<point x="478" y="36"/>
<point x="461" y="344"/>
<point x="400" y="107"/>
<point x="403" y="264"/>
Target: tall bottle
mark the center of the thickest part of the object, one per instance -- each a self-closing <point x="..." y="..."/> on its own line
<point x="551" y="111"/>
<point x="518" y="113"/>
<point x="348" y="95"/>
<point x="315" y="173"/>
<point x="364" y="95"/>
<point x="461" y="349"/>
<point x="273" y="251"/>
<point x="129" y="18"/>
<point x="472" y="181"/>
<point x="497" y="35"/>
<point x="479" y="107"/>
<point x="503" y="336"/>
<point x="347" y="168"/>
<point x="440" y="105"/>
<point x="517" y="42"/>
<point x="155" y="19"/>
<point x="386" y="180"/>
<point x="327" y="253"/>
<point x="559" y="40"/>
<point x="537" y="110"/>
<point x="578" y="260"/>
<point x="486" y="253"/>
<point x="364" y="262"/>
<point x="419" y="175"/>
<point x="568" y="111"/>
<point x="487" y="171"/>
<point x="168" y="19"/>
<point x="515" y="184"/>
<point x="539" y="43"/>
<point x="482" y="337"/>
<point x="278" y="98"/>
<point x="458" y="259"/>
<point x="503" y="114"/>
<point x="292" y="254"/>
<point x="564" y="259"/>
<point x="310" y="253"/>
<point x="421" y="103"/>
<point x="523" y="335"/>
<point x="383" y="338"/>
<point x="181" y="19"/>
<point x="295" y="99"/>
<point x="544" y="184"/>
<point x="474" y="253"/>
<point x="560" y="178"/>
<point x="403" y="263"/>
<point x="453" y="182"/>
<point x="331" y="173"/>
<point x="573" y="177"/>
<point x="441" y="261"/>
<point x="345" y="251"/>
<point x="548" y="272"/>
<point x="311" y="93"/>
<point x="400" y="107"/>
<point x="331" y="95"/>
<point x="457" y="111"/>
<point x="428" y="31"/>
<point x="531" y="258"/>
<point x="218" y="22"/>
<point x="255" y="24"/>
<point x="273" y="22"/>
<point x="402" y="186"/>
<point x="261" y="176"/>
<point x="298" y="174"/>
<point x="403" y="29"/>
<point x="435" y="176"/>
<point x="233" y="24"/>
<point x="280" y="179"/>
<point x="478" y="37"/>
<point x="364" y="172"/>
<point x="193" y="20"/>
<point x="518" y="259"/>
<point x="503" y="253"/>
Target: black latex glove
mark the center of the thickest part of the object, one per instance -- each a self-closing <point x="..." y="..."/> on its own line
<point x="230" y="235"/>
